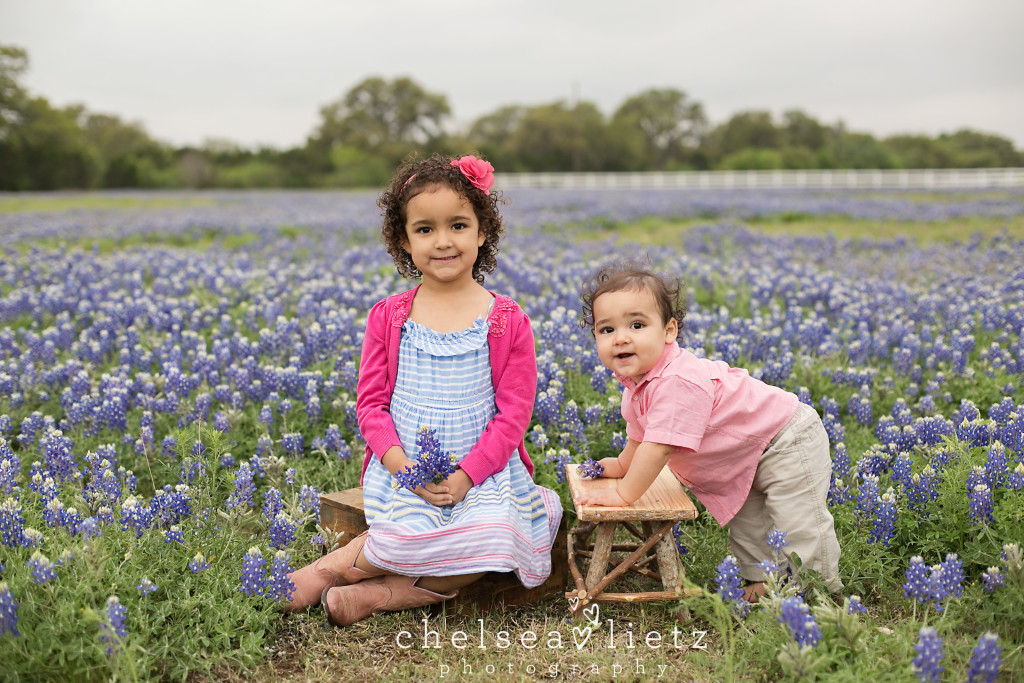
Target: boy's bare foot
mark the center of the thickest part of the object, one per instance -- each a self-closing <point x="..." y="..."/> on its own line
<point x="753" y="591"/>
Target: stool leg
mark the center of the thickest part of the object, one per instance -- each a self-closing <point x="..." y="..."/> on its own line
<point x="602" y="551"/>
<point x="668" y="564"/>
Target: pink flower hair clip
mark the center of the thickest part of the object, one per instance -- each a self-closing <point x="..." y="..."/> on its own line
<point x="478" y="172"/>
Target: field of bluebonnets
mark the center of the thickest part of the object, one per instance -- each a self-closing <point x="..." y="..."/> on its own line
<point x="177" y="378"/>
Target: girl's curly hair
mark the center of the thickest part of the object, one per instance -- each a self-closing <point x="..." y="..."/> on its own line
<point x="418" y="175"/>
<point x="625" y="275"/>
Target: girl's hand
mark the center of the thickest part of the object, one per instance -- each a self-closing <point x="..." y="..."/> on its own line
<point x="435" y="494"/>
<point x="458" y="484"/>
<point x="603" y="497"/>
<point x="396" y="461"/>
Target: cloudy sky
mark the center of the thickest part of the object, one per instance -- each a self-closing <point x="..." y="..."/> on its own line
<point x="258" y="71"/>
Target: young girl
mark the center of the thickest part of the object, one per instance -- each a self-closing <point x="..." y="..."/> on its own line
<point x="754" y="455"/>
<point x="451" y="356"/>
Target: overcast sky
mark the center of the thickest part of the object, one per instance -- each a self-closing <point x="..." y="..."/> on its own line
<point x="258" y="71"/>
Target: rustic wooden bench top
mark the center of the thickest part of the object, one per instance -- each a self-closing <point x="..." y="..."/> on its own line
<point x="666" y="500"/>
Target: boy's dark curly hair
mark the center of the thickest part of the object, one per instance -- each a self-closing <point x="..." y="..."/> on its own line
<point x="419" y="175"/>
<point x="625" y="275"/>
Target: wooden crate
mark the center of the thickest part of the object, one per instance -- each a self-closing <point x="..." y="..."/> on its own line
<point x="343" y="512"/>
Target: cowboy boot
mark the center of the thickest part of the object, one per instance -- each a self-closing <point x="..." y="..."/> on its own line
<point x="336" y="568"/>
<point x="345" y="605"/>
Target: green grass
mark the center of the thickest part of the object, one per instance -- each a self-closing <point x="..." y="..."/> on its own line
<point x="660" y="232"/>
<point x="57" y="202"/>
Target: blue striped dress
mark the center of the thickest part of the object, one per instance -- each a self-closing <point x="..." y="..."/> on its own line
<point x="506" y="523"/>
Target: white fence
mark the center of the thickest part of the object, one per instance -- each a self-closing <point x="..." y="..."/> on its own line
<point x="908" y="179"/>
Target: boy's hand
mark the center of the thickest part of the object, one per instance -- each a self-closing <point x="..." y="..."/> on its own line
<point x="603" y="497"/>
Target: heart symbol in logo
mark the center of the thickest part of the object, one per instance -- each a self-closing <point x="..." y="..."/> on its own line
<point x="574" y="603"/>
<point x="578" y="633"/>
<point x="592" y="614"/>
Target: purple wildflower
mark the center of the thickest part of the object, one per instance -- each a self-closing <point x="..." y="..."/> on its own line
<point x="985" y="659"/>
<point x="801" y="624"/>
<point x="282" y="531"/>
<point x="198" y="563"/>
<point x="981" y="504"/>
<point x="855" y="606"/>
<point x="174" y="535"/>
<point x="252" y="572"/>
<point x="145" y="587"/>
<point x="927" y="664"/>
<point x="42" y="568"/>
<point x="112" y="627"/>
<point x="993" y="579"/>
<point x="8" y="611"/>
<point x="278" y="586"/>
<point x="728" y="580"/>
<point x="12" y="523"/>
<point x="244" y="488"/>
<point x="885" y="522"/>
<point x="590" y="469"/>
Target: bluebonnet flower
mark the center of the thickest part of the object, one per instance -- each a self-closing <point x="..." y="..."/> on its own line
<point x="273" y="503"/>
<point x="227" y="461"/>
<point x="560" y="459"/>
<point x="927" y="663"/>
<point x="198" y="563"/>
<point x="916" y="585"/>
<point x="169" y="447"/>
<point x="12" y="523"/>
<point x="590" y="469"/>
<point x="10" y="468"/>
<point x="777" y="541"/>
<point x="278" y="586"/>
<point x="282" y="531"/>
<point x="985" y="659"/>
<point x="921" y="489"/>
<point x="221" y="422"/>
<point x="113" y="630"/>
<point x="677" y="535"/>
<point x="252" y="572"/>
<point x="885" y="522"/>
<point x="868" y="499"/>
<point x="293" y="443"/>
<point x="993" y="579"/>
<point x="855" y="606"/>
<point x="42" y="568"/>
<point x="309" y="500"/>
<point x="431" y="466"/>
<point x="619" y="441"/>
<point x="318" y="540"/>
<point x="289" y="476"/>
<point x="1015" y="479"/>
<point x="8" y="611"/>
<point x="728" y="580"/>
<point x="981" y="504"/>
<point x="32" y="538"/>
<point x="860" y="408"/>
<point x="90" y="528"/>
<point x="145" y="587"/>
<point x="266" y="416"/>
<point x="996" y="465"/>
<point x="174" y="535"/>
<point x="801" y="624"/>
<point x="136" y="516"/>
<point x="244" y="488"/>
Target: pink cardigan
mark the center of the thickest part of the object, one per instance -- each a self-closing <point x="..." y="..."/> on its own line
<point x="510" y="340"/>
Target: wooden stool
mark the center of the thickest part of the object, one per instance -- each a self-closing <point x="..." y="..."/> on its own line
<point x="343" y="512"/>
<point x="661" y="506"/>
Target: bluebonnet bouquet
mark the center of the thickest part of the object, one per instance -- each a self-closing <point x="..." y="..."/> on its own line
<point x="432" y="465"/>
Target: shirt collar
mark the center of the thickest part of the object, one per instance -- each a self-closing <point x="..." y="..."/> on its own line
<point x="670" y="352"/>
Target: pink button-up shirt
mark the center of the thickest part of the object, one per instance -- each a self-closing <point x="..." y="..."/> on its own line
<point x="718" y="418"/>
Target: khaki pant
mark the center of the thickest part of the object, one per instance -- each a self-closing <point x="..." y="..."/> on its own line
<point x="789" y="493"/>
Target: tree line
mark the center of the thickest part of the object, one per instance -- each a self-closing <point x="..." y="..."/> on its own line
<point x="363" y="135"/>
